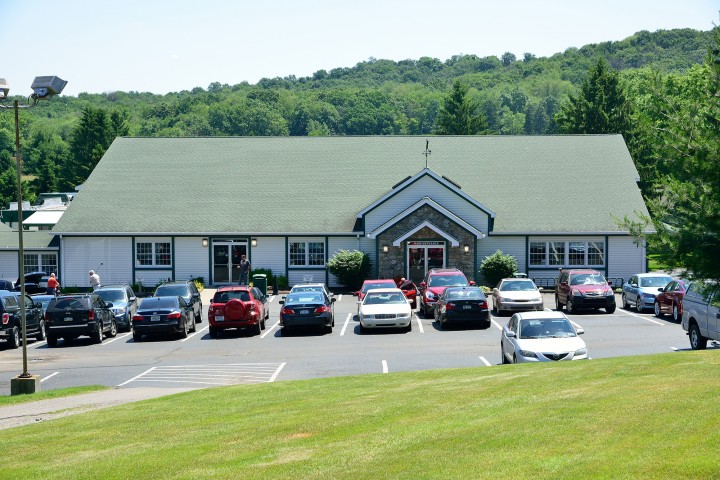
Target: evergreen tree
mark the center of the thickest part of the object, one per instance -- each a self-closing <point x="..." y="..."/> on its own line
<point x="458" y="115"/>
<point x="599" y="106"/>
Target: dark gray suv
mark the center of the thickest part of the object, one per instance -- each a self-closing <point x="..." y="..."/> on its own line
<point x="124" y="303"/>
<point x="11" y="323"/>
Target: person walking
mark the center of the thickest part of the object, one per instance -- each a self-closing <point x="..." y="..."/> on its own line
<point x="244" y="270"/>
<point x="94" y="280"/>
<point x="52" y="285"/>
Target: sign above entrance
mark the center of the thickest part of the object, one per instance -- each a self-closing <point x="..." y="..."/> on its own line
<point x="434" y="244"/>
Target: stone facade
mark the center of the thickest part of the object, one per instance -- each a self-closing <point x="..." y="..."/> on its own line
<point x="392" y="262"/>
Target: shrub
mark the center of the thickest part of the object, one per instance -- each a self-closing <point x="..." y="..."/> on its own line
<point x="498" y="266"/>
<point x="350" y="267"/>
<point x="199" y="283"/>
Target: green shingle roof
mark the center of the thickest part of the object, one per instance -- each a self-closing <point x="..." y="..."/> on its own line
<point x="31" y="240"/>
<point x="253" y="185"/>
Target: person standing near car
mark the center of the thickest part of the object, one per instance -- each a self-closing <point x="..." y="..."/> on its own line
<point x="244" y="270"/>
<point x="52" y="285"/>
<point x="94" y="280"/>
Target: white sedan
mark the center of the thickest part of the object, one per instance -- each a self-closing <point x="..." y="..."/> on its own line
<point x="541" y="337"/>
<point x="516" y="294"/>
<point x="385" y="308"/>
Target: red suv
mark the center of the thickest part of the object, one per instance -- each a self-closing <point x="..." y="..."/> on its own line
<point x="583" y="288"/>
<point x="435" y="282"/>
<point x="238" y="307"/>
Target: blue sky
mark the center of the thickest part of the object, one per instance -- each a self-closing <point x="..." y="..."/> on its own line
<point x="173" y="45"/>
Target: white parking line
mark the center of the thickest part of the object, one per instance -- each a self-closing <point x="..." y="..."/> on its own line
<point x="577" y="325"/>
<point x="118" y="337"/>
<point x="211" y="374"/>
<point x="271" y="298"/>
<point x="674" y="349"/>
<point x="345" y="325"/>
<point x="38" y="344"/>
<point x="137" y="376"/>
<point x="419" y="323"/>
<point x="496" y="324"/>
<point x="484" y="360"/>
<point x="268" y="330"/>
<point x="49" y="376"/>
<point x="644" y="318"/>
<point x="384" y="366"/>
<point x="277" y="372"/>
<point x="339" y="297"/>
<point x="195" y="333"/>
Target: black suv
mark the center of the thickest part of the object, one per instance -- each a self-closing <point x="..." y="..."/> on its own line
<point x="11" y="326"/>
<point x="187" y="290"/>
<point x="124" y="303"/>
<point x="70" y="316"/>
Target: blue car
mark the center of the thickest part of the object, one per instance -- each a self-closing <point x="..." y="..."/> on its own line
<point x="124" y="301"/>
<point x="641" y="289"/>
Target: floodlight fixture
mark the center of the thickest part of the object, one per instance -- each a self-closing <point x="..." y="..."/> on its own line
<point x="4" y="88"/>
<point x="47" y="86"/>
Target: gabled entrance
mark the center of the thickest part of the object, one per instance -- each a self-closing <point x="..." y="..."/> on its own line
<point x="422" y="256"/>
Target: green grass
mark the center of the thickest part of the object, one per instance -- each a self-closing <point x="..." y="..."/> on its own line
<point x="653" y="416"/>
<point x="61" y="392"/>
<point x="654" y="263"/>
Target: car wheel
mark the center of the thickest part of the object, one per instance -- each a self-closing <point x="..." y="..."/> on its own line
<point x="285" y="331"/>
<point x="658" y="311"/>
<point x="97" y="335"/>
<point x="409" y="326"/>
<point x="676" y="314"/>
<point x="113" y="329"/>
<point x="193" y="327"/>
<point x="558" y="305"/>
<point x="610" y="309"/>
<point x="697" y="341"/>
<point x="198" y="317"/>
<point x="638" y="305"/>
<point x="41" y="333"/>
<point x="625" y="303"/>
<point x="51" y="341"/>
<point x="328" y="329"/>
<point x="257" y="328"/>
<point x="262" y="324"/>
<point x="213" y="332"/>
<point x="503" y="358"/>
<point x="514" y="358"/>
<point x="569" y="306"/>
<point x="14" y="338"/>
<point x="128" y="323"/>
<point x="136" y="336"/>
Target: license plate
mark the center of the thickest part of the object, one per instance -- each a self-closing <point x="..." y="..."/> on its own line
<point x="219" y="318"/>
<point x="304" y="312"/>
<point x="154" y="318"/>
<point x="467" y="307"/>
<point x="68" y="319"/>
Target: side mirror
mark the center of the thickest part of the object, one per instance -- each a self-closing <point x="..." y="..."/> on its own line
<point x="332" y="300"/>
<point x="564" y="284"/>
<point x="282" y="302"/>
<point x="195" y="295"/>
<point x="634" y="285"/>
<point x="660" y="289"/>
<point x="580" y="331"/>
<point x="510" y="334"/>
<point x="356" y="294"/>
<point x="109" y="304"/>
<point x="609" y="282"/>
<point x="472" y="283"/>
<point x="132" y="299"/>
<point x="423" y="284"/>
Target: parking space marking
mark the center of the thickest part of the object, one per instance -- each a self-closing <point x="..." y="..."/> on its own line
<point x="644" y="318"/>
<point x="484" y="360"/>
<point x="496" y="324"/>
<point x="271" y="298"/>
<point x="674" y="349"/>
<point x="268" y="330"/>
<point x="384" y="366"/>
<point x="38" y="344"/>
<point x="195" y="333"/>
<point x="418" y="322"/>
<point x="118" y="337"/>
<point x="339" y="298"/>
<point x="345" y="325"/>
<point x="577" y="325"/>
<point x="49" y="376"/>
<point x="211" y="374"/>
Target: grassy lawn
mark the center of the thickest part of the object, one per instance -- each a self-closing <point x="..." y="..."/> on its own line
<point x="654" y="263"/>
<point x="652" y="416"/>
<point x="62" y="392"/>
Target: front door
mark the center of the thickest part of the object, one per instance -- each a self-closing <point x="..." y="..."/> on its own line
<point x="422" y="256"/>
<point x="226" y="261"/>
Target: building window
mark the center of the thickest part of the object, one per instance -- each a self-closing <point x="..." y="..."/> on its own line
<point x="578" y="253"/>
<point x="304" y="254"/>
<point x="153" y="254"/>
<point x="43" y="262"/>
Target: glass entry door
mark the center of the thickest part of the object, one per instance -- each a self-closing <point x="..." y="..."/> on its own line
<point x="422" y="256"/>
<point x="226" y="261"/>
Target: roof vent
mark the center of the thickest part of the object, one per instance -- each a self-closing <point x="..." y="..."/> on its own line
<point x="454" y="183"/>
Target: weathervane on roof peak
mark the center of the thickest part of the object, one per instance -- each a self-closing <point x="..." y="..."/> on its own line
<point x="426" y="152"/>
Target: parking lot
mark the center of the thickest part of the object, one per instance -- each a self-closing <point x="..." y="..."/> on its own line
<point x="237" y="357"/>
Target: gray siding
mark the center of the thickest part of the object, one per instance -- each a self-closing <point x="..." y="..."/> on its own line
<point x="82" y="254"/>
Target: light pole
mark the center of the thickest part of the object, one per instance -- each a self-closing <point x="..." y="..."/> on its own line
<point x="44" y="88"/>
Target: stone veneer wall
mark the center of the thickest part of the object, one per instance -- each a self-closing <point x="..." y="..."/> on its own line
<point x="392" y="263"/>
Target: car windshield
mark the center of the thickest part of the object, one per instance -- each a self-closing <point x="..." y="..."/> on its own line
<point x="307" y="289"/>
<point x="377" y="298"/>
<point x="588" y="279"/>
<point x="546" y="328"/>
<point x="447" y="280"/>
<point x="370" y="286"/>
<point x="517" y="286"/>
<point x="111" y="295"/>
<point x="172" y="291"/>
<point x="67" y="303"/>
<point x="224" y="297"/>
<point x="159" y="302"/>
<point x="464" y="294"/>
<point x="304" y="297"/>
<point x="654" y="281"/>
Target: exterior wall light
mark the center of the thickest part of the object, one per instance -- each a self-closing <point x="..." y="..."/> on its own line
<point x="253" y="242"/>
<point x="466" y="248"/>
<point x="385" y="248"/>
<point x="204" y="242"/>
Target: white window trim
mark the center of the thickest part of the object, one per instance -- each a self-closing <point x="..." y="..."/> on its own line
<point x="153" y="242"/>
<point x="306" y="263"/>
<point x="566" y="264"/>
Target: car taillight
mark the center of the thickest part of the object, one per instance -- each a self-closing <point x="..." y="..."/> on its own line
<point x="138" y="318"/>
<point x="483" y="305"/>
<point x="173" y="316"/>
<point x="6" y="318"/>
<point x="450" y="306"/>
<point x="287" y="311"/>
<point x="322" y="309"/>
<point x="91" y="315"/>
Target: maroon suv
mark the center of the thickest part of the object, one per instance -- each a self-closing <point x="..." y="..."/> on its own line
<point x="435" y="282"/>
<point x="583" y="288"/>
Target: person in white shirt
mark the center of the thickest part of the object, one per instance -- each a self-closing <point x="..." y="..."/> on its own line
<point x="94" y="280"/>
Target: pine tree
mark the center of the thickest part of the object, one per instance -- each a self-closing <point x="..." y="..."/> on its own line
<point x="458" y="115"/>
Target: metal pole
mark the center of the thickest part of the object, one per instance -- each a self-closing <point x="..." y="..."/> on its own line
<point x="21" y="250"/>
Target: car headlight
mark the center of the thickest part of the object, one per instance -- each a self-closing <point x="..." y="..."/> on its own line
<point x="528" y="353"/>
<point x="648" y="295"/>
<point x="580" y="351"/>
<point x="577" y="293"/>
<point x="609" y="293"/>
<point x="368" y="316"/>
<point x="430" y="296"/>
<point x="119" y="311"/>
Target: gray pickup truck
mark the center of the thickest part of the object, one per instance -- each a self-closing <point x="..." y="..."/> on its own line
<point x="701" y="313"/>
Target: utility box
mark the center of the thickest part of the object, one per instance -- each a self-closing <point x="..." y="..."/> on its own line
<point x="260" y="281"/>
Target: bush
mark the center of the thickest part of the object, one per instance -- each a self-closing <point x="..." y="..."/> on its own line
<point x="498" y="266"/>
<point x="199" y="283"/>
<point x="350" y="267"/>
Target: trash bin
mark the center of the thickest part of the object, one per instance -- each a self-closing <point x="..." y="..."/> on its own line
<point x="260" y="281"/>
